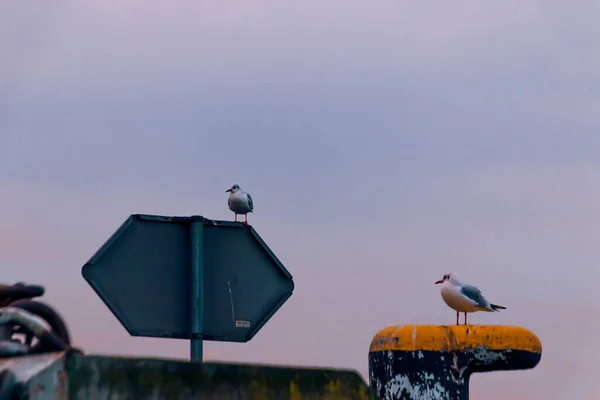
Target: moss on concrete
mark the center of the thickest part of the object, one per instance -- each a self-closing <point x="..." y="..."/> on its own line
<point x="128" y="378"/>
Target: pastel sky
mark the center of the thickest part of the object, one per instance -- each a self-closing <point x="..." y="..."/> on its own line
<point x="384" y="143"/>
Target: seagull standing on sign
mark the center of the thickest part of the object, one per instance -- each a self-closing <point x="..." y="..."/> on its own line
<point x="240" y="202"/>
<point x="464" y="298"/>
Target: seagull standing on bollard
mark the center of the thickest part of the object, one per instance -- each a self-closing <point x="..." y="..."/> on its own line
<point x="240" y="202"/>
<point x="464" y="298"/>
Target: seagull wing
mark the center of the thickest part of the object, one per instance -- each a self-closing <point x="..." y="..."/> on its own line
<point x="250" y="202"/>
<point x="475" y="294"/>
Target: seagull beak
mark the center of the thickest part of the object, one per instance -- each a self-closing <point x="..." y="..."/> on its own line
<point x="228" y="190"/>
<point x="439" y="282"/>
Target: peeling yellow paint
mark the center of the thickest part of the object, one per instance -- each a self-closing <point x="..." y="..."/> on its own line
<point x="455" y="337"/>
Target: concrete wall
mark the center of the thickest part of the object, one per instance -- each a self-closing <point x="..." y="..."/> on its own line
<point x="74" y="376"/>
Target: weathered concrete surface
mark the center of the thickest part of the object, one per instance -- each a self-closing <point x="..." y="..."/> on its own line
<point x="436" y="362"/>
<point x="26" y="367"/>
<point x="31" y="370"/>
<point x="74" y="376"/>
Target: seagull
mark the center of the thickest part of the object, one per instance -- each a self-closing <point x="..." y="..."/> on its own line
<point x="240" y="202"/>
<point x="464" y="298"/>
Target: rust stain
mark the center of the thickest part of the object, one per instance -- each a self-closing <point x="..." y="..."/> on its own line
<point x="61" y="386"/>
<point x="37" y="389"/>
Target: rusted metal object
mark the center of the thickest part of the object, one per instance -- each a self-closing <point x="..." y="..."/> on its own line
<point x="19" y="291"/>
<point x="38" y="327"/>
<point x="28" y="326"/>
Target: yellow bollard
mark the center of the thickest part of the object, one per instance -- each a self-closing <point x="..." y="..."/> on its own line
<point x="433" y="362"/>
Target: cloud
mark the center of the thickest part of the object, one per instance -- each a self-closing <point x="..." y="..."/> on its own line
<point x="143" y="92"/>
<point x="194" y="45"/>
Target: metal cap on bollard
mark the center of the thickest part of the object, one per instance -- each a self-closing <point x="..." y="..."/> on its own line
<point x="435" y="362"/>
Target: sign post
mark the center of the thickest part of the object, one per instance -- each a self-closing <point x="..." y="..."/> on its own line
<point x="189" y="278"/>
<point x="197" y="291"/>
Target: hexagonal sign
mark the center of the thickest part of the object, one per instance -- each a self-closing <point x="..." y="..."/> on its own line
<point x="143" y="274"/>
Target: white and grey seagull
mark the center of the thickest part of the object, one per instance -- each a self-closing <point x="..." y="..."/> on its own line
<point x="463" y="297"/>
<point x="240" y="202"/>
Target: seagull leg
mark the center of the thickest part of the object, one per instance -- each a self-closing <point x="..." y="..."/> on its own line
<point x="235" y="217"/>
<point x="246" y="220"/>
<point x="457" y="318"/>
<point x="465" y="317"/>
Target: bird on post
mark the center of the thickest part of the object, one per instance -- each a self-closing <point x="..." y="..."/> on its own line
<point x="464" y="298"/>
<point x="240" y="202"/>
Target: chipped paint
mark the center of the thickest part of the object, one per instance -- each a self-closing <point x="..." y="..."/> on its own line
<point x="487" y="356"/>
<point x="401" y="386"/>
<point x="458" y="370"/>
<point x="431" y="362"/>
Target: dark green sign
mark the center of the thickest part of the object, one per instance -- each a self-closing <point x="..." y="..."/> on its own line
<point x="190" y="278"/>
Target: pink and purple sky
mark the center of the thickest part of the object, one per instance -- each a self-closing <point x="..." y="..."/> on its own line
<point x="384" y="143"/>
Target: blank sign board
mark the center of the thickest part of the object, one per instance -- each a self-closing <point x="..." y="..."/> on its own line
<point x="143" y="274"/>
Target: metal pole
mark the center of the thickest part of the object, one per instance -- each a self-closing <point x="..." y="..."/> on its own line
<point x="197" y="289"/>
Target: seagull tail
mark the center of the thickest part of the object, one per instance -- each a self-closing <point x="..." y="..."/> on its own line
<point x="496" y="307"/>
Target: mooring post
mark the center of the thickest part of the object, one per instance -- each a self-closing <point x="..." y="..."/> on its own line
<point x="419" y="362"/>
